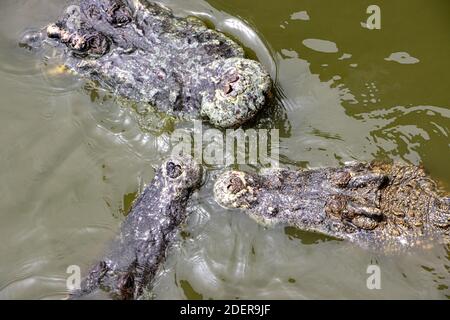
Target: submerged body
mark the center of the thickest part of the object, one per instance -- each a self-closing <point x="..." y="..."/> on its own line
<point x="139" y="50"/>
<point x="146" y="234"/>
<point x="379" y="206"/>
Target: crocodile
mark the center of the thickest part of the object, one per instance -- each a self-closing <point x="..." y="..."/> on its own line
<point x="135" y="255"/>
<point x="381" y="206"/>
<point x="141" y="51"/>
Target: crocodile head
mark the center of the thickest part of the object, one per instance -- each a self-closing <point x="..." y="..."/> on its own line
<point x="150" y="228"/>
<point x="141" y="51"/>
<point x="381" y="206"/>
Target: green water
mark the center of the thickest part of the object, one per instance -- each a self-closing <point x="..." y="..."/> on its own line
<point x="72" y="157"/>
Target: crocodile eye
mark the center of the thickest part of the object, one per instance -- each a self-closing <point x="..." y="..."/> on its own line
<point x="173" y="170"/>
<point x="118" y="14"/>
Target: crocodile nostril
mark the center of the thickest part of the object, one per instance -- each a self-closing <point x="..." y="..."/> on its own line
<point x="230" y="79"/>
<point x="233" y="78"/>
<point x="173" y="170"/>
<point x="236" y="185"/>
<point x="227" y="89"/>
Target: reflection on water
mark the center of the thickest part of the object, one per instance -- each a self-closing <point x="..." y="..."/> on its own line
<point x="321" y="45"/>
<point x="302" y="15"/>
<point x="73" y="156"/>
<point x="402" y="57"/>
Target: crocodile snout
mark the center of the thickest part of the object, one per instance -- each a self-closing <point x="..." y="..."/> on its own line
<point x="240" y="92"/>
<point x="235" y="189"/>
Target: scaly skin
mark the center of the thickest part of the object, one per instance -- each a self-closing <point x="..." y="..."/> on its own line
<point x="146" y="234"/>
<point x="380" y="206"/>
<point x="139" y="50"/>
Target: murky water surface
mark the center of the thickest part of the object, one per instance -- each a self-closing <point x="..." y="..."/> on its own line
<point x="72" y="157"/>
